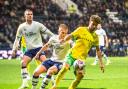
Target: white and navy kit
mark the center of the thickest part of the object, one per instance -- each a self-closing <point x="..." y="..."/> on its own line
<point x="32" y="34"/>
<point x="59" y="52"/>
<point x="101" y="34"/>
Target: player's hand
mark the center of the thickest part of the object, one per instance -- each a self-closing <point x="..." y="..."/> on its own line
<point x="62" y="41"/>
<point x="13" y="53"/>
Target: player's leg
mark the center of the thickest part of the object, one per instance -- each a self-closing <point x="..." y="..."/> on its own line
<point x="39" y="61"/>
<point x="40" y="69"/>
<point x="24" y="49"/>
<point x="52" y="70"/>
<point x="104" y="53"/>
<point x="66" y="65"/>
<point x="79" y="73"/>
<point x="24" y="72"/>
<point x="61" y="74"/>
<point x="96" y="60"/>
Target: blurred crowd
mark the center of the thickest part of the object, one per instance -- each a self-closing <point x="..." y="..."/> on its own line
<point x="51" y="15"/>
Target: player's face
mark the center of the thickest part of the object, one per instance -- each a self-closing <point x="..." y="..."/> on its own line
<point x="92" y="26"/>
<point x="29" y="15"/>
<point x="62" y="32"/>
<point x="98" y="26"/>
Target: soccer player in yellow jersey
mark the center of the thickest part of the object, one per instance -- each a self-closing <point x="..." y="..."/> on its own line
<point x="84" y="38"/>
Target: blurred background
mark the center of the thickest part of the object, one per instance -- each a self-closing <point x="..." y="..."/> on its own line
<point x="74" y="13"/>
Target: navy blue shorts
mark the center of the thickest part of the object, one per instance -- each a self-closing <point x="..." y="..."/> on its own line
<point x="102" y="48"/>
<point x="32" y="52"/>
<point x="49" y="63"/>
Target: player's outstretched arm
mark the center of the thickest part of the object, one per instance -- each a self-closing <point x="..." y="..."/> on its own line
<point x="45" y="47"/>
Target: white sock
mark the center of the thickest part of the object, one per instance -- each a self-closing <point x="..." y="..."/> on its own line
<point x="96" y="59"/>
<point x="25" y="83"/>
<point x="24" y="73"/>
<point x="105" y="57"/>
<point x="45" y="81"/>
<point x="35" y="81"/>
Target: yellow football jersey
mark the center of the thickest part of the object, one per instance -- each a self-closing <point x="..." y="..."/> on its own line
<point x="84" y="40"/>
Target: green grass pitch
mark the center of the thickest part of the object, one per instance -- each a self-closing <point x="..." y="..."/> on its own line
<point x="115" y="76"/>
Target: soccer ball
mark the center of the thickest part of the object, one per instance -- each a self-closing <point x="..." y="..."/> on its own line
<point x="78" y="64"/>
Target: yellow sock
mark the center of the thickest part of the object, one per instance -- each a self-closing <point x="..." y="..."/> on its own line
<point x="75" y="82"/>
<point x="60" y="75"/>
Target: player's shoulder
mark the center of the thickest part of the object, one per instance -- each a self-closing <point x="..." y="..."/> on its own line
<point x="22" y="25"/>
<point x="37" y="23"/>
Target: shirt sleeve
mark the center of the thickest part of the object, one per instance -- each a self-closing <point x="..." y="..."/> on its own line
<point x="17" y="39"/>
<point x="51" y="41"/>
<point x="45" y="30"/>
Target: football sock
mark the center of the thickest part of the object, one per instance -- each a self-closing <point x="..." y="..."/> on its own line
<point x="45" y="81"/>
<point x="60" y="75"/>
<point x="35" y="80"/>
<point x="24" y="73"/>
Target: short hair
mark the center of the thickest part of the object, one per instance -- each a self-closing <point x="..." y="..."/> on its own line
<point x="63" y="26"/>
<point x="96" y="19"/>
<point x="27" y="10"/>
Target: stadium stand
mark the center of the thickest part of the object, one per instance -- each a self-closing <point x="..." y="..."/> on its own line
<point x="114" y="14"/>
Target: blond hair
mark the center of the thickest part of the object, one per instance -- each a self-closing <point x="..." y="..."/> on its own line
<point x="63" y="26"/>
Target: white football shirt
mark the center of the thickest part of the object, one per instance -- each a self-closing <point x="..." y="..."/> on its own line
<point x="101" y="34"/>
<point x="32" y="34"/>
<point x="59" y="49"/>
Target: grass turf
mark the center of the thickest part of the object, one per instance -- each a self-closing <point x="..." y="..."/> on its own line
<point x="115" y="76"/>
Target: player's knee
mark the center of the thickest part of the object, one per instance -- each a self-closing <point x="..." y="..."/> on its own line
<point x="50" y="72"/>
<point x="42" y="58"/>
<point x="36" y="74"/>
<point x="80" y="74"/>
<point x="24" y="64"/>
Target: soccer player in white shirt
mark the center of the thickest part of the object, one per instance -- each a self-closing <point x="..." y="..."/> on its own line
<point x="103" y="43"/>
<point x="54" y="63"/>
<point x="31" y="30"/>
